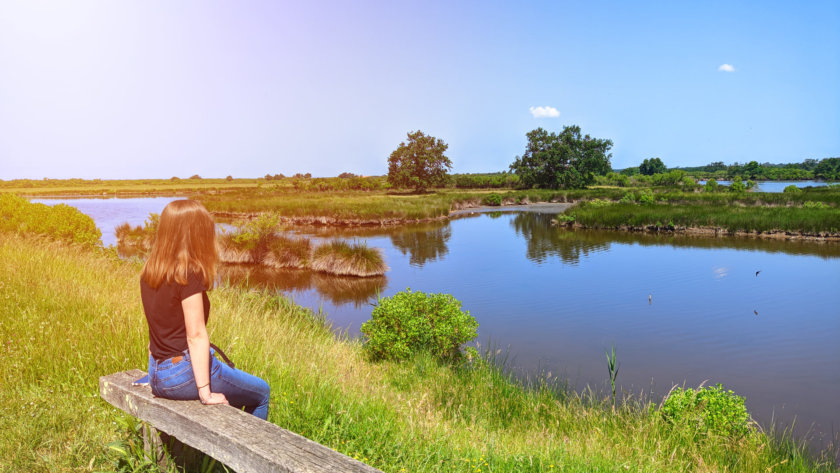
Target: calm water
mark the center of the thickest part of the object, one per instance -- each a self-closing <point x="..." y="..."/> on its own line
<point x="556" y="299"/>
<point x="777" y="186"/>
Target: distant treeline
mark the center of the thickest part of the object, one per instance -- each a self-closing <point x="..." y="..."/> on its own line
<point x="826" y="169"/>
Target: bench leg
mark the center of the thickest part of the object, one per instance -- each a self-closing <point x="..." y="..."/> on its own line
<point x="171" y="454"/>
<point x="157" y="444"/>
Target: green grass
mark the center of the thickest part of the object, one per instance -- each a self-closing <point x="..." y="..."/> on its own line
<point x="69" y="315"/>
<point x="383" y="206"/>
<point x="702" y="214"/>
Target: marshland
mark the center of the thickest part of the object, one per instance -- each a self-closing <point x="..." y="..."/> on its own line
<point x="535" y="288"/>
<point x="452" y="236"/>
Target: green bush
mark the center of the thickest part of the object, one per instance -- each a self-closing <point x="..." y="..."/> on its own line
<point x="60" y="222"/>
<point x="707" y="410"/>
<point x="711" y="186"/>
<point x="628" y="198"/>
<point x="409" y="322"/>
<point x="792" y="189"/>
<point x="565" y="219"/>
<point x="814" y="205"/>
<point x="646" y="198"/>
<point x="492" y="199"/>
<point x="737" y="186"/>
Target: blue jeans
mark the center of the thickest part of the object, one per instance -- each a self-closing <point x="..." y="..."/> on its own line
<point x="176" y="381"/>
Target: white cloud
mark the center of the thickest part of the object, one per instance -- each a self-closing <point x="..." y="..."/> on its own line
<point x="544" y="112"/>
<point x="726" y="68"/>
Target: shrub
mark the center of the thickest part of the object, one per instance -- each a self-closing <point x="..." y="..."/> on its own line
<point x="409" y="322"/>
<point x="737" y="186"/>
<point x="647" y="198"/>
<point x="707" y="410"/>
<point x="792" y="189"/>
<point x="492" y="199"/>
<point x="814" y="205"/>
<point x="229" y="178"/>
<point x="711" y="186"/>
<point x="60" y="222"/>
<point x="629" y="198"/>
<point x="565" y="219"/>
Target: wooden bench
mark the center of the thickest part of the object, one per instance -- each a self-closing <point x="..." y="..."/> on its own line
<point x="231" y="436"/>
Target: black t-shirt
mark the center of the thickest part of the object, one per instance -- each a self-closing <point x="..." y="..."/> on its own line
<point x="167" y="330"/>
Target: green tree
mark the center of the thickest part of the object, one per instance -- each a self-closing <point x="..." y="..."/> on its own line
<point x="828" y="169"/>
<point x="562" y="160"/>
<point x="652" y="166"/>
<point x="419" y="162"/>
<point x="753" y="170"/>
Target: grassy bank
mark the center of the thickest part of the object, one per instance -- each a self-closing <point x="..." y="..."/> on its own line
<point x="805" y="219"/>
<point x="384" y="206"/>
<point x="417" y="416"/>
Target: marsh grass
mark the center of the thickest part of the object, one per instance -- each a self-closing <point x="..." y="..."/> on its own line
<point x="348" y="259"/>
<point x="701" y="214"/>
<point x="286" y="252"/>
<point x="232" y="251"/>
<point x="70" y="315"/>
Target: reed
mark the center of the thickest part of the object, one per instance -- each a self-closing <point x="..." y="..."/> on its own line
<point x="235" y="251"/>
<point x="348" y="259"/>
<point x="286" y="252"/>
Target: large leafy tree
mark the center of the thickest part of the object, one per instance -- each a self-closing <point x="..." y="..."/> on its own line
<point x="562" y="160"/>
<point x="652" y="166"/>
<point x="419" y="162"/>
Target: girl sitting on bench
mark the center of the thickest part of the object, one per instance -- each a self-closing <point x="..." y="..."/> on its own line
<point x="180" y="270"/>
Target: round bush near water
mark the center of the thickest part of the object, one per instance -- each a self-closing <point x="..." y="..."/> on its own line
<point x="408" y="323"/>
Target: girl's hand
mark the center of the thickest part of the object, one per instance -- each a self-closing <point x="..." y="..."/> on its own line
<point x="213" y="398"/>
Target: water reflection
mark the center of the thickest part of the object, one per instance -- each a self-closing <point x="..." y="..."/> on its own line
<point x="546" y="241"/>
<point x="338" y="290"/>
<point x="423" y="244"/>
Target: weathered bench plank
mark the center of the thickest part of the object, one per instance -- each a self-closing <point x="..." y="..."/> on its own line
<point x="231" y="436"/>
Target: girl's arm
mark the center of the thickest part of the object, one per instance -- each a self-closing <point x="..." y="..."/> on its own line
<point x="199" y="344"/>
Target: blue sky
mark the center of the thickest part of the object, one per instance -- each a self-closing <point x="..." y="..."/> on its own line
<point x="148" y="89"/>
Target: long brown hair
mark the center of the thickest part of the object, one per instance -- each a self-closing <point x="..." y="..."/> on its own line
<point x="185" y="243"/>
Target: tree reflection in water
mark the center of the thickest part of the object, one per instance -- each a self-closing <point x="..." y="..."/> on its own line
<point x="337" y="289"/>
<point x="423" y="244"/>
<point x="545" y="241"/>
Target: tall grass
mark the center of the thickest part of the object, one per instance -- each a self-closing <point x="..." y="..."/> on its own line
<point x="349" y="259"/>
<point x="731" y="218"/>
<point x="70" y="315"/>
